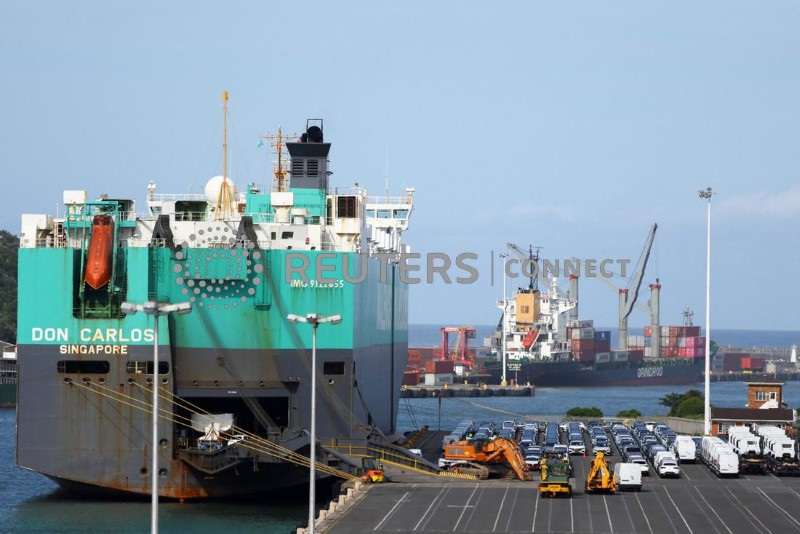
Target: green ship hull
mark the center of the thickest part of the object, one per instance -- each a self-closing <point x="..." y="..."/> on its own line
<point x="85" y="367"/>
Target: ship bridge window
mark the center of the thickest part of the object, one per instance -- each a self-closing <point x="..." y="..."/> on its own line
<point x="190" y="210"/>
<point x="83" y="367"/>
<point x="401" y="214"/>
<point x="146" y="367"/>
<point x="346" y="207"/>
<point x="384" y="214"/>
<point x="333" y="368"/>
<point x="371" y="213"/>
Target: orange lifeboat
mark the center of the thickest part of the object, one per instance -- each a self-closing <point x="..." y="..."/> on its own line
<point x="98" y="261"/>
<point x="530" y="338"/>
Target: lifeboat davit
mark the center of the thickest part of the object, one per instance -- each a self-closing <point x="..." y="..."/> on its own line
<point x="98" y="260"/>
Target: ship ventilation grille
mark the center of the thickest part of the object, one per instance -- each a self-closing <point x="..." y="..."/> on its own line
<point x="297" y="167"/>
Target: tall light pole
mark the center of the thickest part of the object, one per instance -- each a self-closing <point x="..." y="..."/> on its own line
<point x="314" y="320"/>
<point x="505" y="318"/>
<point x="706" y="194"/>
<point x="155" y="309"/>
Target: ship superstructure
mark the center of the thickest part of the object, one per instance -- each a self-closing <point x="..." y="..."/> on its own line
<point x="244" y="259"/>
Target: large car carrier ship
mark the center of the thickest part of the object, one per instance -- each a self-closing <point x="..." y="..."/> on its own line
<point x="234" y="373"/>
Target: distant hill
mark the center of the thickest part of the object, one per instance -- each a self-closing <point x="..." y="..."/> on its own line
<point x="9" y="245"/>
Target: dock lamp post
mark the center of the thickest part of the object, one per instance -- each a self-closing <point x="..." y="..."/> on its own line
<point x="505" y="310"/>
<point x="706" y="194"/>
<point x="155" y="309"/>
<point x="314" y="320"/>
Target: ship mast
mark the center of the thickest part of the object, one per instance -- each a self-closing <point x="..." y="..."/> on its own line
<point x="279" y="183"/>
<point x="223" y="206"/>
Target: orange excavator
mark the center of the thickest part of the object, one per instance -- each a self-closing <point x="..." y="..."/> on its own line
<point x="484" y="453"/>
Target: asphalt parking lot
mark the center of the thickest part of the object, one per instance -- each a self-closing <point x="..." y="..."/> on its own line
<point x="698" y="502"/>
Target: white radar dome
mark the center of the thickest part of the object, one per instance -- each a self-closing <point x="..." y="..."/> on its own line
<point x="212" y="189"/>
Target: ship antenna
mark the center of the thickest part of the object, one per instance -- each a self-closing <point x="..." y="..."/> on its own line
<point x="387" y="174"/>
<point x="533" y="285"/>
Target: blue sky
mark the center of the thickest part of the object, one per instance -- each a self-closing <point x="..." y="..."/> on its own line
<point x="568" y="125"/>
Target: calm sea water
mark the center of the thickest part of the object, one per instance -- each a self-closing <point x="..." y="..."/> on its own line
<point x="30" y="502"/>
<point x="556" y="402"/>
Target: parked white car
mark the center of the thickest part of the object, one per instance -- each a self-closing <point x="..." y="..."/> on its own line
<point x="668" y="467"/>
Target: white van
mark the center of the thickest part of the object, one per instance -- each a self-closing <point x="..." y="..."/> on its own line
<point x="629" y="476"/>
<point x="685" y="448"/>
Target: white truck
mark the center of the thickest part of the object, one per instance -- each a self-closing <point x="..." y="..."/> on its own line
<point x="747" y="445"/>
<point x="684" y="448"/>
<point x="719" y="456"/>
<point x="780" y="451"/>
<point x="629" y="476"/>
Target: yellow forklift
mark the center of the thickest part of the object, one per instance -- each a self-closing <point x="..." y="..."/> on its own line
<point x="372" y="470"/>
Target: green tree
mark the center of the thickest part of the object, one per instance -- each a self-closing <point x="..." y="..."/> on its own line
<point x="579" y="411"/>
<point x="690" y="406"/>
<point x="673" y="400"/>
<point x="631" y="413"/>
<point x="9" y="245"/>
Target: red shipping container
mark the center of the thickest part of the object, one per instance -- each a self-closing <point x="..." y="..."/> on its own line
<point x="439" y="366"/>
<point x="583" y="355"/>
<point x="635" y="355"/>
<point x="587" y="344"/>
<point x="674" y="331"/>
<point x="757" y="364"/>
<point x="575" y="344"/>
<point x="602" y="346"/>
<point x="691" y="331"/>
<point x="681" y="352"/>
<point x="732" y="361"/>
<point x="411" y="378"/>
<point x="648" y="331"/>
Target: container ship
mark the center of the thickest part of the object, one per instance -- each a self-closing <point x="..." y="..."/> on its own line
<point x="540" y="339"/>
<point x="234" y="367"/>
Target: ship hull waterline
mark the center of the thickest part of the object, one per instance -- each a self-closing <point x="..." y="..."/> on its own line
<point x="573" y="374"/>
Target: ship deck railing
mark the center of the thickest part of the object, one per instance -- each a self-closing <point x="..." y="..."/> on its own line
<point x="386" y="453"/>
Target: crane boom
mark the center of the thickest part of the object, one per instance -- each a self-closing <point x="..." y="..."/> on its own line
<point x="638" y="273"/>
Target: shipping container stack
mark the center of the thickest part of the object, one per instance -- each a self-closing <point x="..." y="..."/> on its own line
<point x="588" y="344"/>
<point x="438" y="372"/>
<point x="676" y="342"/>
<point x="734" y="362"/>
<point x="583" y="341"/>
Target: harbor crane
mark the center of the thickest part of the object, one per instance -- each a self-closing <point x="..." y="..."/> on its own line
<point x="628" y="296"/>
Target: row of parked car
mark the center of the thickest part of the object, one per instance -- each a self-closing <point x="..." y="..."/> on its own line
<point x="642" y="445"/>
